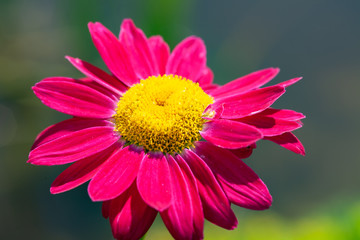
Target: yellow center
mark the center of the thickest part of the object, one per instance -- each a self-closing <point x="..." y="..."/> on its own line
<point x="163" y="113"/>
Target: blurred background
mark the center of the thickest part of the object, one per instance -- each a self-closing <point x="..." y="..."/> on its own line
<point x="315" y="197"/>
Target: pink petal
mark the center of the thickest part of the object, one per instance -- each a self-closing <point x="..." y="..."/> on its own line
<point x="243" y="152"/>
<point x="154" y="182"/>
<point x="198" y="216"/>
<point x="116" y="175"/>
<point x="241" y="184"/>
<point x="270" y="126"/>
<point x="289" y="82"/>
<point x="105" y="209"/>
<point x="98" y="75"/>
<point x="113" y="53"/>
<point x="96" y="86"/>
<point x="206" y="77"/>
<point x="288" y="141"/>
<point x="246" y="83"/>
<point x="209" y="88"/>
<point x="72" y="97"/>
<point x="188" y="59"/>
<point x="65" y="127"/>
<point x="218" y="109"/>
<point x="179" y="217"/>
<point x="237" y="106"/>
<point x="136" y="44"/>
<point x="73" y="146"/>
<point x="230" y="134"/>
<point x="216" y="205"/>
<point x="130" y="217"/>
<point x="283" y="114"/>
<point x="80" y="171"/>
<point x="161" y="52"/>
<point x="300" y="122"/>
<point x="259" y="199"/>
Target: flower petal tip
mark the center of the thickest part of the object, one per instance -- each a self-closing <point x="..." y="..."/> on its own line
<point x="267" y="201"/>
<point x="69" y="58"/>
<point x="302" y="152"/>
<point x="260" y="204"/>
<point x="127" y="22"/>
<point x="90" y="25"/>
<point x="233" y="226"/>
<point x="95" y="26"/>
<point x="35" y="161"/>
<point x="290" y="82"/>
<point x="55" y="190"/>
<point x="276" y="69"/>
<point x="94" y="196"/>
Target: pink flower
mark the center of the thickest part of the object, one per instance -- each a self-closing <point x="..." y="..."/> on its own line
<point x="136" y="134"/>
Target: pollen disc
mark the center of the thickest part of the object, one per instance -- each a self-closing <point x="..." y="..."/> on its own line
<point x="163" y="113"/>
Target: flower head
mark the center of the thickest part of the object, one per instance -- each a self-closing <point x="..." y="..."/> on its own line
<point x="156" y="135"/>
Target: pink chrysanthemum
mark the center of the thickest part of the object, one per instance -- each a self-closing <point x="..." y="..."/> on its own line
<point x="156" y="135"/>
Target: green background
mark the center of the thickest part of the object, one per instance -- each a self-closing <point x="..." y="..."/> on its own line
<point x="315" y="197"/>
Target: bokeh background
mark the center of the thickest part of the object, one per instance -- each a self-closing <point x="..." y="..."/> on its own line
<point x="315" y="197"/>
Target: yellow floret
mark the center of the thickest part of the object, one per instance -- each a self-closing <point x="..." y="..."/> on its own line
<point x="163" y="113"/>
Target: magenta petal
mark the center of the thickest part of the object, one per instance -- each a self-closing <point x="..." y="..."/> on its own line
<point x="259" y="199"/>
<point x="246" y="83"/>
<point x="73" y="146"/>
<point x="243" y="152"/>
<point x="188" y="59"/>
<point x="161" y="51"/>
<point x="288" y="141"/>
<point x="237" y="106"/>
<point x="241" y="184"/>
<point x="270" y="126"/>
<point x="206" y="77"/>
<point x="283" y="114"/>
<point x="216" y="205"/>
<point x="289" y="82"/>
<point x="179" y="217"/>
<point x="113" y="53"/>
<point x="136" y="44"/>
<point x="198" y="216"/>
<point x="98" y="87"/>
<point x="209" y="88"/>
<point x="98" y="75"/>
<point x="130" y="217"/>
<point x="105" y="209"/>
<point x="72" y="97"/>
<point x="65" y="127"/>
<point x="116" y="174"/>
<point x="154" y="181"/>
<point x="80" y="171"/>
<point x="230" y="134"/>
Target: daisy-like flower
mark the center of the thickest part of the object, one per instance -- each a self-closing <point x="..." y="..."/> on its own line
<point x="156" y="135"/>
